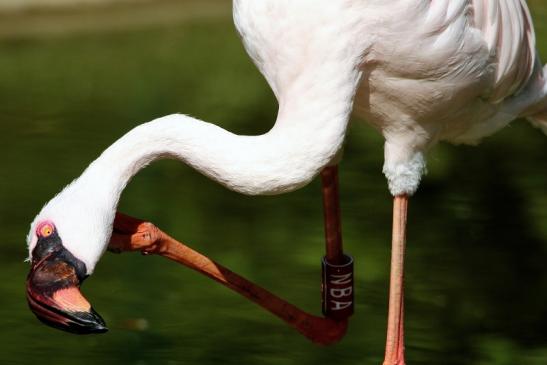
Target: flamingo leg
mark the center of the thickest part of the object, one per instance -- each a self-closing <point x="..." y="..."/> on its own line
<point x="395" y="349"/>
<point x="132" y="234"/>
<point x="331" y="214"/>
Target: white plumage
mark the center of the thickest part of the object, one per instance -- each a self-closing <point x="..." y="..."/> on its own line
<point x="420" y="71"/>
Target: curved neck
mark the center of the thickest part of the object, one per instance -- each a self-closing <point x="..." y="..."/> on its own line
<point x="308" y="133"/>
<point x="306" y="136"/>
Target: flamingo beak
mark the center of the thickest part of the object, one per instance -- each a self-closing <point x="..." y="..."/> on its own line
<point x="53" y="291"/>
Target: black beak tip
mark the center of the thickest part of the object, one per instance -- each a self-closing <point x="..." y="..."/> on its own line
<point x="87" y="323"/>
<point x="98" y="328"/>
<point x="100" y="325"/>
<point x="90" y="328"/>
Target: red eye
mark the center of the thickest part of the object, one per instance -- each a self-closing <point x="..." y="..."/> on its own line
<point x="45" y="229"/>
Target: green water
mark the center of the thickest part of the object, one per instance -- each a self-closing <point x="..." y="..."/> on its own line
<point x="477" y="241"/>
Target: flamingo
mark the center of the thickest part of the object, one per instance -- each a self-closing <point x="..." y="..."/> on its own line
<point x="419" y="71"/>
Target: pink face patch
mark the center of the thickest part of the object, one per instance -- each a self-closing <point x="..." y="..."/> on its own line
<point x="45" y="229"/>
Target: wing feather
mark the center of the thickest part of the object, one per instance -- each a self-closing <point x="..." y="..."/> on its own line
<point x="507" y="29"/>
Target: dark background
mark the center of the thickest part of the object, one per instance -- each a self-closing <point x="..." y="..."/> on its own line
<point x="73" y="80"/>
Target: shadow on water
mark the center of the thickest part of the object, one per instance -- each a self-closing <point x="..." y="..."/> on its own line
<point x="477" y="283"/>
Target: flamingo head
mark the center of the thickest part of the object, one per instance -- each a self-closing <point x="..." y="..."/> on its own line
<point x="65" y="241"/>
<point x="53" y="285"/>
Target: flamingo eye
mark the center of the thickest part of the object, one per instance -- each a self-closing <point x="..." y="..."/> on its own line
<point x="45" y="229"/>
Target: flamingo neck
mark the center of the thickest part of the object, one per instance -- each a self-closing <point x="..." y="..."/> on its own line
<point x="307" y="135"/>
<point x="305" y="138"/>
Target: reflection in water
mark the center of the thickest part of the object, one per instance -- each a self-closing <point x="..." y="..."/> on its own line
<point x="476" y="277"/>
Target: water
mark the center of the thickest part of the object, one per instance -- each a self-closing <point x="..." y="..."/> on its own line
<point x="476" y="276"/>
